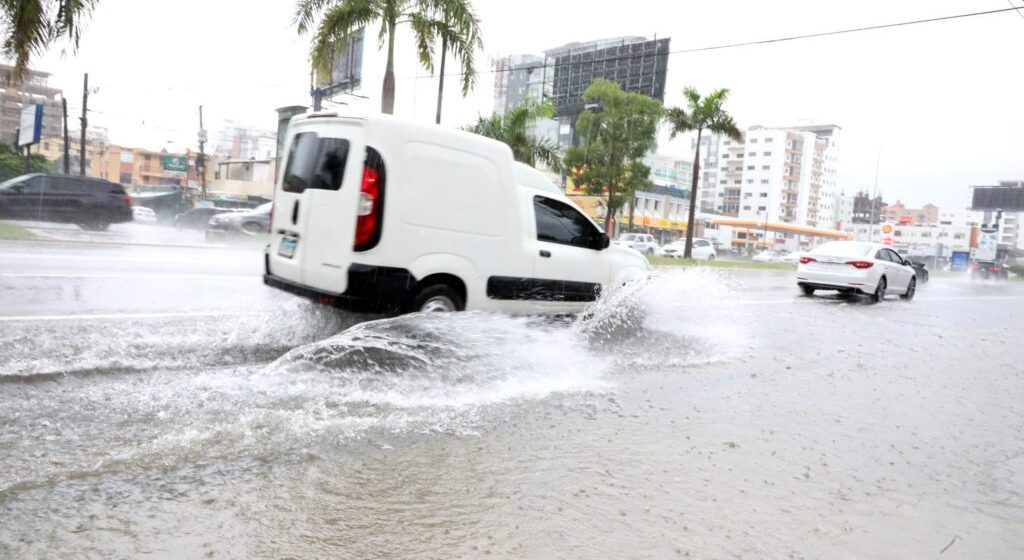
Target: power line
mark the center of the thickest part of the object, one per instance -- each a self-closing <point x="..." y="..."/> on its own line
<point x="760" y="42"/>
<point x="1015" y="8"/>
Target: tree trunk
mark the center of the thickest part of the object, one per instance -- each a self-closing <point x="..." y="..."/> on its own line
<point x="387" y="94"/>
<point x="440" y="83"/>
<point x="632" y="211"/>
<point x="692" y="215"/>
<point x="609" y="220"/>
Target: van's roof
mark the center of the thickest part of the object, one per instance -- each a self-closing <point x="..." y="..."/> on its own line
<point x="412" y="128"/>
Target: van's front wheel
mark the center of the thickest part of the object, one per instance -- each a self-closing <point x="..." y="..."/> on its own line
<point x="437" y="298"/>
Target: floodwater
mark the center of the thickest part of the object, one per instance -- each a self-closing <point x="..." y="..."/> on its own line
<point x="699" y="414"/>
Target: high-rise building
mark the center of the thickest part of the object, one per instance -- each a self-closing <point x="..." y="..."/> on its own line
<point x="670" y="171"/>
<point x="31" y="89"/>
<point x="867" y="210"/>
<point x="1005" y="201"/>
<point x="637" y="64"/>
<point x="517" y="78"/>
<point x="785" y="175"/>
<point x="843" y="206"/>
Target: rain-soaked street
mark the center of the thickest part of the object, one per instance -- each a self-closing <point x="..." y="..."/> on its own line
<point x="161" y="401"/>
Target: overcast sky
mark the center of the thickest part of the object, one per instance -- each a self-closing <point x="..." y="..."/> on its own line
<point x="942" y="101"/>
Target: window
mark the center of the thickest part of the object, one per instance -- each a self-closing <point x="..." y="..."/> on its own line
<point x="767" y="153"/>
<point x="727" y="142"/>
<point x="315" y="163"/>
<point x="762" y="208"/>
<point x="737" y="182"/>
<point x="748" y="195"/>
<point x="764" y="195"/>
<point x="764" y="181"/>
<point x="753" y="141"/>
<point x="958" y="236"/>
<point x="765" y="167"/>
<point x="746" y="208"/>
<point x="126" y="178"/>
<point x="750" y="167"/>
<point x="752" y="154"/>
<point x="725" y="156"/>
<point x="723" y="181"/>
<point x="560" y="223"/>
<point x="749" y="181"/>
<point x="768" y="140"/>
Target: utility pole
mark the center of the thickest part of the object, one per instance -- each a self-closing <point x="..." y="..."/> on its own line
<point x="874" y="199"/>
<point x="67" y="147"/>
<point x="85" y="123"/>
<point x="201" y="162"/>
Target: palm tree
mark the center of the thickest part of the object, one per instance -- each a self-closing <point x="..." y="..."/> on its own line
<point x="700" y="114"/>
<point x="512" y="128"/>
<point x="32" y="25"/>
<point x="459" y="30"/>
<point x="450" y="20"/>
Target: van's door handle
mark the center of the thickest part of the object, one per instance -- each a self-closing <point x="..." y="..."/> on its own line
<point x="546" y="254"/>
<point x="295" y="213"/>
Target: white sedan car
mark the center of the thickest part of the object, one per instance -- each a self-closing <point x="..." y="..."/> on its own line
<point x="854" y="267"/>
<point x="143" y="214"/>
<point x="768" y="256"/>
<point x="703" y="250"/>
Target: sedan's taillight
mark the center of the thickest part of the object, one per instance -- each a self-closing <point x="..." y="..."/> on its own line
<point x="370" y="206"/>
<point x="805" y="260"/>
<point x="861" y="264"/>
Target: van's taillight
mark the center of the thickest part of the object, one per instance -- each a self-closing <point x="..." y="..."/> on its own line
<point x="270" y="223"/>
<point x="370" y="206"/>
<point x="805" y="260"/>
<point x="861" y="264"/>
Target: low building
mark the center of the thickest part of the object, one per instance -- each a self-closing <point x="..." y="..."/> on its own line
<point x="898" y="213"/>
<point x="250" y="177"/>
<point x="32" y="89"/>
<point x="919" y="240"/>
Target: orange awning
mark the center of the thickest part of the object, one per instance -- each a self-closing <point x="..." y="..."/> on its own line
<point x="783" y="227"/>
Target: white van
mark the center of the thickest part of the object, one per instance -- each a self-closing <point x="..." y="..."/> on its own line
<point x="378" y="214"/>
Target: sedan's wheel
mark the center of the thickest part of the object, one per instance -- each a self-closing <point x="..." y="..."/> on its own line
<point x="911" y="288"/>
<point x="438" y="298"/>
<point x="807" y="290"/>
<point x="879" y="294"/>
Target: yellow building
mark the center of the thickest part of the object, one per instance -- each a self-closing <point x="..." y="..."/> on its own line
<point x="132" y="167"/>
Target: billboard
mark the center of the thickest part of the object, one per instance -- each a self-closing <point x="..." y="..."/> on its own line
<point x="174" y="166"/>
<point x="31" y="125"/>
<point x="998" y="198"/>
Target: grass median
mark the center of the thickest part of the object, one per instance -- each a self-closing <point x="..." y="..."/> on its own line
<point x="11" y="231"/>
<point x="667" y="261"/>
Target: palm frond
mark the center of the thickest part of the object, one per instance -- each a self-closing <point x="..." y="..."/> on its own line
<point x="29" y="31"/>
<point x="71" y="17"/>
<point x="306" y="12"/>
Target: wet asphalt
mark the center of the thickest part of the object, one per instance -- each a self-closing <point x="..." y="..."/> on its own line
<point x="159" y="401"/>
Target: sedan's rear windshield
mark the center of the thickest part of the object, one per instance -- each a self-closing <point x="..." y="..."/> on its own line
<point x="315" y="163"/>
<point x="844" y="248"/>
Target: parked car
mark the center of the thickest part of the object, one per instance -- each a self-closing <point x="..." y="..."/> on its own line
<point x="793" y="257"/>
<point x="380" y="214"/>
<point x="920" y="270"/>
<point x="768" y="256"/>
<point x="853" y="267"/>
<point x="642" y="242"/>
<point x="144" y="215"/>
<point x="702" y="249"/>
<point x="92" y="204"/>
<point x="248" y="222"/>
<point x="990" y="270"/>
<point x="198" y="218"/>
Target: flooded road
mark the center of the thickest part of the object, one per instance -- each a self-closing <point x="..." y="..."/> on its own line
<point x="160" y="402"/>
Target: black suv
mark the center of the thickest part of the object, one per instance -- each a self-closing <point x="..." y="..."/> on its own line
<point x="93" y="204"/>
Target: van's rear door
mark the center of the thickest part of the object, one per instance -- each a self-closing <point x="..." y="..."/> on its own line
<point x="315" y="203"/>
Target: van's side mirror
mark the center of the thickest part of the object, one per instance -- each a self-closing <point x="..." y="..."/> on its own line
<point x="603" y="242"/>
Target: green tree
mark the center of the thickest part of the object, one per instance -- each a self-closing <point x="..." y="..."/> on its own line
<point x="12" y="164"/>
<point x="460" y="35"/>
<point x="616" y="134"/>
<point x="701" y="114"/>
<point x="513" y="128"/>
<point x="452" y="21"/>
<point x="32" y="25"/>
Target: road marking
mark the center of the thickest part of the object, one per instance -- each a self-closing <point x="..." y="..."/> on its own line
<point x="132" y="276"/>
<point x="123" y="316"/>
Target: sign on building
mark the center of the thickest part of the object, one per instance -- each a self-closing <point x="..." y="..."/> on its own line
<point x="174" y="166"/>
<point x="31" y="126"/>
<point x="347" y="70"/>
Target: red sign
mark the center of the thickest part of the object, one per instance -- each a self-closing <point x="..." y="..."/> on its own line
<point x="887" y="241"/>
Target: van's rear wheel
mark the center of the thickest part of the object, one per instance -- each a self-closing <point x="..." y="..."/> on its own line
<point x="437" y="298"/>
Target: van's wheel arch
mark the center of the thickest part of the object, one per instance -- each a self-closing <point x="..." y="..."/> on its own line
<point x="439" y="292"/>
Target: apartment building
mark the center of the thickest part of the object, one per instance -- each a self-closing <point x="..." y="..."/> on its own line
<point x="517" y="79"/>
<point x="925" y="240"/>
<point x="784" y="175"/>
<point x="671" y="171"/>
<point x="136" y="168"/>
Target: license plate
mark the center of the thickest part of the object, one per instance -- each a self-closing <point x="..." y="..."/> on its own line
<point x="287" y="247"/>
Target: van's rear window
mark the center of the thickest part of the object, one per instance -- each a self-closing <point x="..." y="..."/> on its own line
<point x="315" y="163"/>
